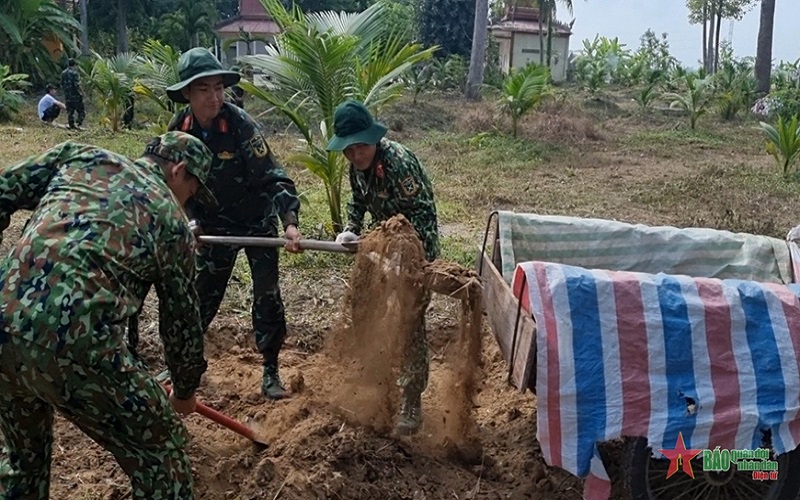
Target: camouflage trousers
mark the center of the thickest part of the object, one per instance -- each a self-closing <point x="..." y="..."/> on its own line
<point x="414" y="379"/>
<point x="215" y="265"/>
<point x="122" y="409"/>
<point x="75" y="107"/>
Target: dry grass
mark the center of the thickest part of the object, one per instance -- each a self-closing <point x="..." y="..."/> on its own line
<point x="576" y="156"/>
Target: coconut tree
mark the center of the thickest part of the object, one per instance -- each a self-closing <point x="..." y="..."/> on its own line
<point x="111" y="81"/>
<point x="319" y="60"/>
<point x="158" y="69"/>
<point x="522" y="90"/>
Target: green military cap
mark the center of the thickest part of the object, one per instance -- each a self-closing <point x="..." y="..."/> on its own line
<point x="199" y="63"/>
<point x="352" y="124"/>
<point x="180" y="146"/>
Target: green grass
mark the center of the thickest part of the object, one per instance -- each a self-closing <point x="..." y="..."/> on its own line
<point x="678" y="138"/>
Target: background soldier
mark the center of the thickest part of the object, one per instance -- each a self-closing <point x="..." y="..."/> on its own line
<point x="73" y="95"/>
<point x="103" y="228"/>
<point x="253" y="192"/>
<point x="386" y="180"/>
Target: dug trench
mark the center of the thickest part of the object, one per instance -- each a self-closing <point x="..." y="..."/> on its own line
<point x="334" y="439"/>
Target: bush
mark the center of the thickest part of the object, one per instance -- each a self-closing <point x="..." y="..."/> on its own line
<point x="11" y="86"/>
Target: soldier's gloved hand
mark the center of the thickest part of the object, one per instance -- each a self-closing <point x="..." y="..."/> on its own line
<point x="346" y="237"/>
<point x="194" y="226"/>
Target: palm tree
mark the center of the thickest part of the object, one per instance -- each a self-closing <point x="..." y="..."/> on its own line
<point x="111" y="81"/>
<point x="158" y="70"/>
<point x="321" y="59"/>
<point x="764" y="48"/>
<point x="522" y="90"/>
<point x="189" y="25"/>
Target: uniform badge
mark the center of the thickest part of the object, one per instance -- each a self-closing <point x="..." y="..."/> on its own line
<point x="410" y="186"/>
<point x="259" y="145"/>
<point x="225" y="155"/>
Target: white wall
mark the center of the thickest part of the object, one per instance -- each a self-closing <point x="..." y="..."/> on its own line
<point x="526" y="49"/>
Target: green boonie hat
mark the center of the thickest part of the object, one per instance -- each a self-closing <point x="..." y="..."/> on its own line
<point x="352" y="124"/>
<point x="199" y="63"/>
<point x="180" y="146"/>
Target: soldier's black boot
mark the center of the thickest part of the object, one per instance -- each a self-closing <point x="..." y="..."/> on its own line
<point x="271" y="385"/>
<point x="410" y="417"/>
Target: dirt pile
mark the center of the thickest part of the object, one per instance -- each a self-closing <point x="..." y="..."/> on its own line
<point x="390" y="287"/>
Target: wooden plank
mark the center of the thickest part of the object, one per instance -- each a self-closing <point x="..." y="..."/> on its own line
<point x="501" y="307"/>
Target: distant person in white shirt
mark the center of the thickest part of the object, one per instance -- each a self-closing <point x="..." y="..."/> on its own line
<point x="49" y="106"/>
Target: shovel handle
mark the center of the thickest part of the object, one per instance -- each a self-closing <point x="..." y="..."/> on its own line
<point x="226" y="421"/>
<point x="222" y="419"/>
<point x="264" y="241"/>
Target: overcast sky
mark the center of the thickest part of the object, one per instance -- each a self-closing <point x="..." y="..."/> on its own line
<point x="628" y="19"/>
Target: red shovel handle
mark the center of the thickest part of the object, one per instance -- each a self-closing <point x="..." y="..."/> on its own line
<point x="223" y="419"/>
<point x="226" y="421"/>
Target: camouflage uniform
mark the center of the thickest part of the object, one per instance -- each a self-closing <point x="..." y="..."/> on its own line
<point x="398" y="184"/>
<point x="102" y="229"/>
<point x="253" y="192"/>
<point x="73" y="96"/>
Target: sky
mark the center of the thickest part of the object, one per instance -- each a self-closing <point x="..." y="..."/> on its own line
<point x="628" y="19"/>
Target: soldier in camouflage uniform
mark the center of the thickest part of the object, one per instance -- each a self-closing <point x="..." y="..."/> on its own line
<point x="387" y="179"/>
<point x="254" y="192"/>
<point x="102" y="229"/>
<point x="73" y="95"/>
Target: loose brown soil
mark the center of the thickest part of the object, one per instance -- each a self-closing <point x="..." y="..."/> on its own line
<point x="333" y="438"/>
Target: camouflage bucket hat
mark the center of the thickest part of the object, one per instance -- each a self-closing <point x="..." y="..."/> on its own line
<point x="180" y="146"/>
<point x="199" y="63"/>
<point x="352" y="124"/>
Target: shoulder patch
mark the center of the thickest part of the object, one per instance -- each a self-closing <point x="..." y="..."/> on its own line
<point x="258" y="145"/>
<point x="410" y="186"/>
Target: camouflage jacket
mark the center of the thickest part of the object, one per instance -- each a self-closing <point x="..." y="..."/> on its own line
<point x="395" y="184"/>
<point x="71" y="85"/>
<point x="102" y="229"/>
<point x="252" y="188"/>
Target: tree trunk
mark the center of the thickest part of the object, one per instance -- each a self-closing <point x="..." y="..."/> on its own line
<point x="85" y="28"/>
<point x="715" y="64"/>
<point x="764" y="50"/>
<point x="541" y="35"/>
<point x="712" y="17"/>
<point x="705" y="33"/>
<point x="122" y="27"/>
<point x="549" y="39"/>
<point x="478" y="55"/>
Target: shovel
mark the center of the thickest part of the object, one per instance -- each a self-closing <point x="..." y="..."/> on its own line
<point x="226" y="421"/>
<point x="264" y="241"/>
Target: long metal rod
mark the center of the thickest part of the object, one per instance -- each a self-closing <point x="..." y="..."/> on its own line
<point x="264" y="241"/>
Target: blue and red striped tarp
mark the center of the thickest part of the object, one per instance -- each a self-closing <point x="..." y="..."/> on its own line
<point x="652" y="355"/>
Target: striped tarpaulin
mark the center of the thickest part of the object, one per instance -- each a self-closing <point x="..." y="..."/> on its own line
<point x="633" y="354"/>
<point x="606" y="244"/>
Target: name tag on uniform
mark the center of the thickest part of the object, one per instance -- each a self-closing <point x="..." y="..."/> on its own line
<point x="226" y="155"/>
